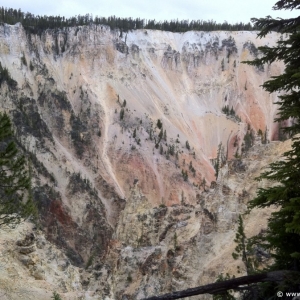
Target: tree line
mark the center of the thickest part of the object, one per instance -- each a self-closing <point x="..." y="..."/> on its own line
<point x="38" y="23"/>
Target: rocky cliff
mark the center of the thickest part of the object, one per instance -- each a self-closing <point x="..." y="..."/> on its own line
<point x="126" y="134"/>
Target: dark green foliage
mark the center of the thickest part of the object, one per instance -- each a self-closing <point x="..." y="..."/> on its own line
<point x="161" y="133"/>
<point x="223" y="65"/>
<point x="185" y="175"/>
<point x="165" y="136"/>
<point x="23" y="60"/>
<point x="79" y="141"/>
<point x="263" y="135"/>
<point x="122" y="113"/>
<point x="41" y="169"/>
<point x="230" y="112"/>
<point x="226" y="295"/>
<point x="203" y="184"/>
<point x="150" y="135"/>
<point x="5" y="76"/>
<point x="251" y="47"/>
<point x="243" y="248"/>
<point x="90" y="261"/>
<point x="171" y="150"/>
<point x="192" y="169"/>
<point x="219" y="160"/>
<point x="37" y="24"/>
<point x="187" y="145"/>
<point x="56" y="296"/>
<point x="282" y="237"/>
<point x="248" y="139"/>
<point x="77" y="184"/>
<point x="175" y="241"/>
<point x="15" y="185"/>
<point x="211" y="216"/>
<point x="27" y="120"/>
<point x="31" y="67"/>
<point x="161" y="150"/>
<point x="159" y="124"/>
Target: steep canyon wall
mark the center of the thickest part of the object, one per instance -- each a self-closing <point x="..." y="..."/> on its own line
<point x="126" y="135"/>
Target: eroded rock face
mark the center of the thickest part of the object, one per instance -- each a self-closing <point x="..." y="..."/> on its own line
<point x="125" y="136"/>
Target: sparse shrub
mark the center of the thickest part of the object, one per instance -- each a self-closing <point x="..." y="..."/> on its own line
<point x="89" y="262"/>
<point x="5" y="76"/>
<point x="223" y="65"/>
<point x="248" y="139"/>
<point x="184" y="175"/>
<point x="161" y="150"/>
<point x="56" y="296"/>
<point x="230" y="112"/>
<point x="187" y="145"/>
<point x="122" y="113"/>
<point x="23" y="60"/>
<point x="172" y="150"/>
<point x="159" y="124"/>
<point x="31" y="67"/>
<point x="161" y="133"/>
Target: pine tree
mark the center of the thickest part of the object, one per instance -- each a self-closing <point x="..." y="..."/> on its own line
<point x="283" y="232"/>
<point x="159" y="124"/>
<point x="161" y="150"/>
<point x="15" y="185"/>
<point x="243" y="248"/>
<point x="165" y="135"/>
<point x="187" y="145"/>
<point x="122" y="112"/>
<point x="161" y="133"/>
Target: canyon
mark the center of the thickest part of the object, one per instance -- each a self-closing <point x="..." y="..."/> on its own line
<point x="144" y="148"/>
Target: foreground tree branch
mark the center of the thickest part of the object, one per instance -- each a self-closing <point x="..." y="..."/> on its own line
<point x="223" y="286"/>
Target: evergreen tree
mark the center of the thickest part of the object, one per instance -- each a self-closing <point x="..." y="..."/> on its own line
<point x="161" y="150"/>
<point x="159" y="124"/>
<point x="15" y="196"/>
<point x="283" y="232"/>
<point x="122" y="112"/>
<point x="187" y="145"/>
<point x="165" y="135"/>
<point x="243" y="248"/>
<point x="160" y="135"/>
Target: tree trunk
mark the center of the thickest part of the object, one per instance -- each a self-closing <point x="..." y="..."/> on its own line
<point x="223" y="286"/>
